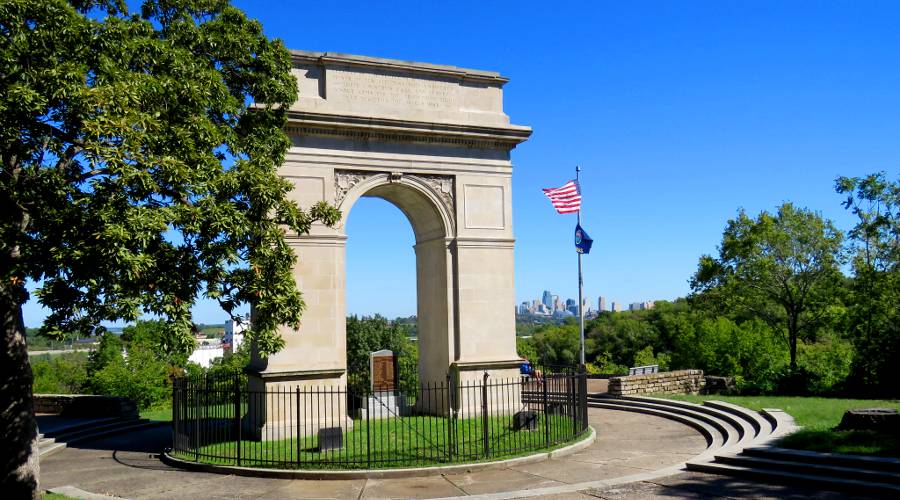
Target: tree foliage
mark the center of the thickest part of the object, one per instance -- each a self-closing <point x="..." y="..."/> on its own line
<point x="138" y="172"/>
<point x="369" y="334"/>
<point x="137" y="175"/>
<point x="874" y="324"/>
<point x="782" y="268"/>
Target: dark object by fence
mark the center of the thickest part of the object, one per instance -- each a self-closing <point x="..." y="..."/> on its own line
<point x="223" y="421"/>
<point x="525" y="420"/>
<point x="886" y="420"/>
<point x="331" y="438"/>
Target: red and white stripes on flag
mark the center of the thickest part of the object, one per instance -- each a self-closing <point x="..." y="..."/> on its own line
<point x="565" y="199"/>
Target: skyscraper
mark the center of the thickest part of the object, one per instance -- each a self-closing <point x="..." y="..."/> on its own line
<point x="601" y="304"/>
<point x="547" y="300"/>
<point x="616" y="307"/>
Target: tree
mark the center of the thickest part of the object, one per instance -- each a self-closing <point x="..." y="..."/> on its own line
<point x="875" y="245"/>
<point x="781" y="268"/>
<point x="369" y="334"/>
<point x="136" y="175"/>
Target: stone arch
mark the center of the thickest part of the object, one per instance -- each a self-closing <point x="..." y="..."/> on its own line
<point x="427" y="202"/>
<point x="430" y="213"/>
<point x="434" y="141"/>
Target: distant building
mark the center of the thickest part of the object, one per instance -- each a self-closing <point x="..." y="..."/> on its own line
<point x="616" y="307"/>
<point x="234" y="333"/>
<point x="206" y="352"/>
<point x="547" y="299"/>
<point x="558" y="304"/>
<point x="601" y="304"/>
<point x="586" y="305"/>
<point x="524" y="308"/>
<point x="635" y="306"/>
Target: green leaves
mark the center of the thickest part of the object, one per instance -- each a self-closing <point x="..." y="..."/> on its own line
<point x="136" y="176"/>
<point x="782" y="268"/>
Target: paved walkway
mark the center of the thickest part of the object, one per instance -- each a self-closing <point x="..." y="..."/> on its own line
<point x="628" y="445"/>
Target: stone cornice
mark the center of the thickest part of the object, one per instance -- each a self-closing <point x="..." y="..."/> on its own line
<point x="335" y="59"/>
<point x="392" y="130"/>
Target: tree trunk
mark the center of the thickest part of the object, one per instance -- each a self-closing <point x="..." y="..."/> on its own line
<point x="792" y="341"/>
<point x="19" y="477"/>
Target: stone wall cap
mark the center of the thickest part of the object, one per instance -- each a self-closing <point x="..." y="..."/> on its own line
<point x="336" y="58"/>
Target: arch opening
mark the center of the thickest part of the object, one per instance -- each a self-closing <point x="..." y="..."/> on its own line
<point x="430" y="224"/>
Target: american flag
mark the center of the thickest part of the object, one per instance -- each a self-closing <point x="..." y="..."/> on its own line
<point x="565" y="199"/>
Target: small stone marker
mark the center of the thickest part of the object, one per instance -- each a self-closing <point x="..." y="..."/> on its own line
<point x="330" y="438"/>
<point x="383" y="365"/>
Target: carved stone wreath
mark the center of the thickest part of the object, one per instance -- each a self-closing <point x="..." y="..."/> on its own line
<point x="442" y="185"/>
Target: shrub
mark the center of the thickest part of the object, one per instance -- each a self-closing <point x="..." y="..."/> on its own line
<point x="140" y="377"/>
<point x="61" y="374"/>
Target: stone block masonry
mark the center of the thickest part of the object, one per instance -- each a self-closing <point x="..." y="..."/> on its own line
<point x="676" y="382"/>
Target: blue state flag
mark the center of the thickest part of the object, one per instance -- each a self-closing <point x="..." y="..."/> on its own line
<point x="583" y="242"/>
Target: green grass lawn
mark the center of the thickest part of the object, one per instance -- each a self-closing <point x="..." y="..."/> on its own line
<point x="398" y="442"/>
<point x="55" y="496"/>
<point x="163" y="414"/>
<point x="819" y="417"/>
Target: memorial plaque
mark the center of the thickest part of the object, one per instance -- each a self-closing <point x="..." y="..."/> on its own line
<point x="384" y="371"/>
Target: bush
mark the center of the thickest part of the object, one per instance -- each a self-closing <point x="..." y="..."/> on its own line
<point x="829" y="364"/>
<point x="140" y="377"/>
<point x="61" y="374"/>
<point x="645" y="357"/>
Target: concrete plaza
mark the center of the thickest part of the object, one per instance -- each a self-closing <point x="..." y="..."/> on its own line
<point x="623" y="462"/>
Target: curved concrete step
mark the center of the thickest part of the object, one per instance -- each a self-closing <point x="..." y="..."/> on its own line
<point x="80" y="424"/>
<point x="733" y="427"/>
<point x="736" y="431"/>
<point x="782" y="423"/>
<point x="49" y="446"/>
<point x="713" y="435"/>
<point x="812" y="469"/>
<point x="761" y="426"/>
<point x="134" y="425"/>
<point x="794" y="478"/>
<point x="834" y="459"/>
<point x="747" y="430"/>
<point x="68" y="435"/>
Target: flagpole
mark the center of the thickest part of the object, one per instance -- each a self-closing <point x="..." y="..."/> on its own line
<point x="580" y="280"/>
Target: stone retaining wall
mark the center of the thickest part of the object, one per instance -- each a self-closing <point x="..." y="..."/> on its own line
<point x="85" y="405"/>
<point x="677" y="382"/>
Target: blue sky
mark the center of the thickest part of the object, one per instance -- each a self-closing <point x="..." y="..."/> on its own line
<point x="678" y="112"/>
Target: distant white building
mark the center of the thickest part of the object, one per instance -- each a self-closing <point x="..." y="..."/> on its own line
<point x="234" y="333"/>
<point x="206" y="352"/>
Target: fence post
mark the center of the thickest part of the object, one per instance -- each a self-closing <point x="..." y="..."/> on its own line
<point x="449" y="419"/>
<point x="546" y="411"/>
<point x="196" y="421"/>
<point x="582" y="397"/>
<point x="300" y="436"/>
<point x="484" y="415"/>
<point x="175" y="414"/>
<point x="368" y="431"/>
<point x="237" y="416"/>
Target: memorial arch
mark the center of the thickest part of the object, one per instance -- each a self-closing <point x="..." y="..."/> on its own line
<point x="434" y="141"/>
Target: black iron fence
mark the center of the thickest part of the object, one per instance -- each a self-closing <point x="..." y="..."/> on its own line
<point x="236" y="421"/>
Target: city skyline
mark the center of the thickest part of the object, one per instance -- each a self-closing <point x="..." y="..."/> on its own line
<point x="550" y="304"/>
